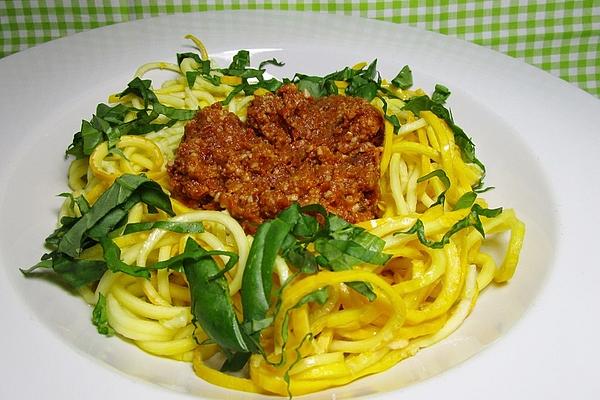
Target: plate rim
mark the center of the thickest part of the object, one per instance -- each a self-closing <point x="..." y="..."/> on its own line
<point x="566" y="90"/>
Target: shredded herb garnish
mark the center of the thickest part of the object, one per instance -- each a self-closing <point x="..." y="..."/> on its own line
<point x="471" y="220"/>
<point x="441" y="175"/>
<point x="107" y="215"/>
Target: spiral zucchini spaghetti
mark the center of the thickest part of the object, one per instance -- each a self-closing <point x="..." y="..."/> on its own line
<point x="310" y="301"/>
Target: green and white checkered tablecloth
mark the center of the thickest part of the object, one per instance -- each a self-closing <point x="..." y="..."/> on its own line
<point x="561" y="37"/>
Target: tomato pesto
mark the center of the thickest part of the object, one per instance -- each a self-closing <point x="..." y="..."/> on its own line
<point x="292" y="148"/>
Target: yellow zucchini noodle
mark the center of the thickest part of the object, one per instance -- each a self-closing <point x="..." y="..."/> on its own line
<point x="423" y="293"/>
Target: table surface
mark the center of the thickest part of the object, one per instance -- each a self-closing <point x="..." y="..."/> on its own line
<point x="560" y="37"/>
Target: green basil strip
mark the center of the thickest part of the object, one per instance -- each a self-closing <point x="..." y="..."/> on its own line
<point x="319" y="296"/>
<point x="241" y="60"/>
<point x="53" y="240"/>
<point x="348" y="245"/>
<point x="100" y="317"/>
<point x="112" y="256"/>
<point x="80" y="201"/>
<point x="438" y="173"/>
<point x="231" y="95"/>
<point x="190" y="76"/>
<point x="392" y="119"/>
<point x="404" y="79"/>
<point x="183" y="56"/>
<point x="471" y="220"/>
<point x="306" y="227"/>
<point x="286" y="375"/>
<point x="340" y="255"/>
<point x="111" y="220"/>
<point x="172" y="226"/>
<point x="257" y="281"/>
<point x="212" y="307"/>
<point x="465" y="201"/>
<point x="270" y="84"/>
<point x="339" y="245"/>
<point x="298" y="256"/>
<point x="316" y="86"/>
<point x="354" y="241"/>
<point x="211" y="304"/>
<point x="90" y="136"/>
<point x="480" y="189"/>
<point x="173" y="113"/>
<point x="109" y="122"/>
<point x="176" y="262"/>
<point x="252" y="327"/>
<point x="115" y="196"/>
<point x="235" y="362"/>
<point x="363" y="84"/>
<point x="440" y="94"/>
<point x="141" y="88"/>
<point x="441" y="175"/>
<point x="272" y="61"/>
<point x="361" y="87"/>
<point x="424" y="103"/>
<point x="363" y="288"/>
<point x="75" y="272"/>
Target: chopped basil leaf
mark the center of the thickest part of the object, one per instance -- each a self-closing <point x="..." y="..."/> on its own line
<point x="313" y="85"/>
<point x="141" y="88"/>
<point x="241" y="60"/>
<point x="404" y="79"/>
<point x="75" y="272"/>
<point x="471" y="220"/>
<point x="479" y="189"/>
<point x="438" y="173"/>
<point x="232" y="94"/>
<point x="319" y="296"/>
<point x="100" y="317"/>
<point x="112" y="255"/>
<point x="108" y="123"/>
<point x="79" y="201"/>
<point x="179" y="227"/>
<point x="299" y="257"/>
<point x="252" y="327"/>
<point x="194" y="56"/>
<point x="418" y="104"/>
<point x="465" y="201"/>
<point x="173" y="113"/>
<point x="191" y="78"/>
<point x="219" y="321"/>
<point x="392" y="119"/>
<point x="464" y="143"/>
<point x="111" y="207"/>
<point x="338" y="245"/>
<point x="92" y="228"/>
<point x="257" y="281"/>
<point x="363" y="288"/>
<point x="440" y="94"/>
<point x="235" y="362"/>
<point x="441" y="175"/>
<point x="361" y="87"/>
<point x="90" y="136"/>
<point x="272" y="61"/>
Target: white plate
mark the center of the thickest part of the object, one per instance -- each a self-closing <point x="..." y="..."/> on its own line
<point x="537" y="135"/>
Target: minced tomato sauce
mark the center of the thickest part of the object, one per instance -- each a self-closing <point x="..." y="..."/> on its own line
<point x="292" y="148"/>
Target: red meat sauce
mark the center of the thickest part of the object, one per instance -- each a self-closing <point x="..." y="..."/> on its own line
<point x="292" y="148"/>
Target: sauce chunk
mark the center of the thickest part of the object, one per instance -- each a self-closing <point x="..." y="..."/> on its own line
<point x="292" y="148"/>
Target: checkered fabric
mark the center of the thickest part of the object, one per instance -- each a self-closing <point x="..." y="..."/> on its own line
<point x="561" y="37"/>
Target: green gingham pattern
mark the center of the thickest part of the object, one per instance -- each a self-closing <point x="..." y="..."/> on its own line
<point x="561" y="37"/>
